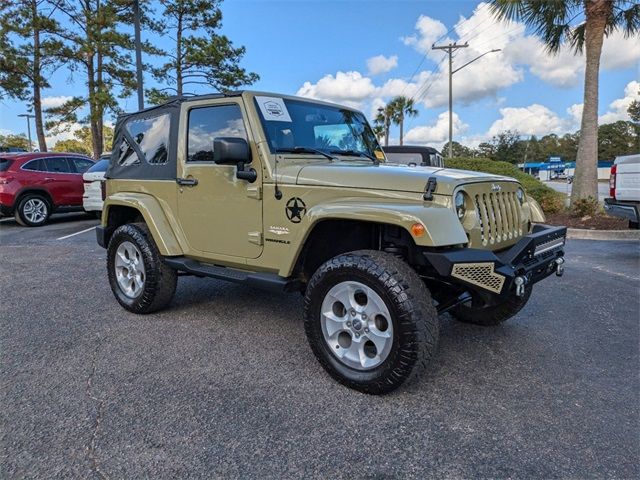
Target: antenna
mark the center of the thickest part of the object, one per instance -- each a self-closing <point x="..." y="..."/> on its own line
<point x="278" y="193"/>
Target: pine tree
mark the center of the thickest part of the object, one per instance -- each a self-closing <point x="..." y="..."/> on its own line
<point x="29" y="52"/>
<point x="98" y="48"/>
<point x="201" y="56"/>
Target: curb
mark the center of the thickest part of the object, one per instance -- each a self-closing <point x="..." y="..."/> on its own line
<point x="584" y="234"/>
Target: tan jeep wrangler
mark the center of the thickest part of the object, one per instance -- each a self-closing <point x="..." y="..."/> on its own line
<point x="292" y="194"/>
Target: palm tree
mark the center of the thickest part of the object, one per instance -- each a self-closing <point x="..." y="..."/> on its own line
<point x="551" y="20"/>
<point x="402" y="107"/>
<point x="383" y="121"/>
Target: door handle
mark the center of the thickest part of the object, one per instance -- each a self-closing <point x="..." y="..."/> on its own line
<point x="48" y="179"/>
<point x="187" y="182"/>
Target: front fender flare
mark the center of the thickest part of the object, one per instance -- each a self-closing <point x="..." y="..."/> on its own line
<point x="154" y="216"/>
<point x="442" y="227"/>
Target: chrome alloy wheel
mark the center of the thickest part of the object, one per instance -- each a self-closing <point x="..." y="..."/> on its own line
<point x="356" y="324"/>
<point x="129" y="267"/>
<point x="35" y="210"/>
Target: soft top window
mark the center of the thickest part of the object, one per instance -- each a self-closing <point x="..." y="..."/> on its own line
<point x="152" y="136"/>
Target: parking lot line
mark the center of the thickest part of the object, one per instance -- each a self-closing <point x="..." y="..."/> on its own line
<point x="77" y="233"/>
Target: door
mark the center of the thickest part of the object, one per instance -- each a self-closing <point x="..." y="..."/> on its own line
<point x="62" y="181"/>
<point x="220" y="214"/>
<point x="81" y="165"/>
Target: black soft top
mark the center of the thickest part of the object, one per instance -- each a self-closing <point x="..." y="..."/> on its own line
<point x="143" y="170"/>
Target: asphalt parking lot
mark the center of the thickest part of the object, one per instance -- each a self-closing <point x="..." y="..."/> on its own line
<point x="223" y="384"/>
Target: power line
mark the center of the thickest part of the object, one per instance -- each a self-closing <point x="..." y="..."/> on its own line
<point x="424" y="57"/>
<point x="417" y="95"/>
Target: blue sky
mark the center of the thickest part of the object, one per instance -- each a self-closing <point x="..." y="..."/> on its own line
<point x="321" y="49"/>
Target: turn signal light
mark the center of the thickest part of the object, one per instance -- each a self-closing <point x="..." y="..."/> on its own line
<point x="417" y="229"/>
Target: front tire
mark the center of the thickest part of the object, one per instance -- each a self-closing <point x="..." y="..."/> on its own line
<point x="370" y="321"/>
<point x="33" y="210"/>
<point x="140" y="280"/>
<point x="493" y="315"/>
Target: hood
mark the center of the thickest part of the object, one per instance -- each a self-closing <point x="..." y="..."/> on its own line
<point x="402" y="178"/>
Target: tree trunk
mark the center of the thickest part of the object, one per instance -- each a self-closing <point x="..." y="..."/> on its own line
<point x="585" y="182"/>
<point x="386" y="130"/>
<point x="93" y="109"/>
<point x="401" y="128"/>
<point x="37" y="98"/>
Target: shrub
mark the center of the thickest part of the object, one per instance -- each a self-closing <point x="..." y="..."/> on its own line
<point x="550" y="200"/>
<point x="585" y="207"/>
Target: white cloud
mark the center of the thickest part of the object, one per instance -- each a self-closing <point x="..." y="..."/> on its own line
<point x="381" y="64"/>
<point x="346" y="87"/>
<point x="618" y="108"/>
<point x="620" y="52"/>
<point x="67" y="134"/>
<point x="482" y="78"/>
<point x="50" y="102"/>
<point x="428" y="31"/>
<point x="532" y="120"/>
<point x="566" y="69"/>
<point x="436" y="133"/>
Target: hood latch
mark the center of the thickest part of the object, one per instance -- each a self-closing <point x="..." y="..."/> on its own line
<point x="432" y="183"/>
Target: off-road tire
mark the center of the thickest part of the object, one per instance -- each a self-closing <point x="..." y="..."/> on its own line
<point x="494" y="315"/>
<point x="19" y="213"/>
<point x="160" y="279"/>
<point x="415" y="320"/>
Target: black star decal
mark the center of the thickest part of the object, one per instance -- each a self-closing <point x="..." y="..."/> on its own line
<point x="295" y="209"/>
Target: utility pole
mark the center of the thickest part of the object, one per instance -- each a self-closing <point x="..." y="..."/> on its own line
<point x="452" y="47"/>
<point x="136" y="21"/>
<point x="28" y="117"/>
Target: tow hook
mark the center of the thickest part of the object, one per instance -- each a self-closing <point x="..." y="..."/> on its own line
<point x="559" y="266"/>
<point x="520" y="283"/>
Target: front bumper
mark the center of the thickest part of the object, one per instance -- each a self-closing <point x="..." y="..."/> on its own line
<point x="491" y="274"/>
<point x="628" y="210"/>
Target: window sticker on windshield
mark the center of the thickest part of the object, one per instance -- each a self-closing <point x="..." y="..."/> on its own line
<point x="273" y="109"/>
<point x="379" y="155"/>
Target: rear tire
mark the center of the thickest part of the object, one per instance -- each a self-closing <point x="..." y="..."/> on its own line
<point x="32" y="210"/>
<point x="350" y="336"/>
<point x="139" y="278"/>
<point x="494" y="315"/>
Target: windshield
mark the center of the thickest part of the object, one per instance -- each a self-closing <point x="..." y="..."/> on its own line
<point x="99" y="166"/>
<point x="300" y="127"/>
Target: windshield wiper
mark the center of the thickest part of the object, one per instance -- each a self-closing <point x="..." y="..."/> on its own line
<point x="356" y="153"/>
<point x="305" y="150"/>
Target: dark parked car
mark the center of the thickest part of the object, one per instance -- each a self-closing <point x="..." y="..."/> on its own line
<point x="412" y="155"/>
<point x="35" y="185"/>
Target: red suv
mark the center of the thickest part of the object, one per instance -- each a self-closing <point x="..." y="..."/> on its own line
<point x="34" y="185"/>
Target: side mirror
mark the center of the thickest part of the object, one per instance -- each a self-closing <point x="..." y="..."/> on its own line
<point x="231" y="150"/>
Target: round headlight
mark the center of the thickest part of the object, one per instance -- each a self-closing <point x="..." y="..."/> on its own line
<point x="459" y="203"/>
<point x="520" y="195"/>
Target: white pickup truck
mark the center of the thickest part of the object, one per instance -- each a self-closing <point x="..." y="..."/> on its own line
<point x="624" y="189"/>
